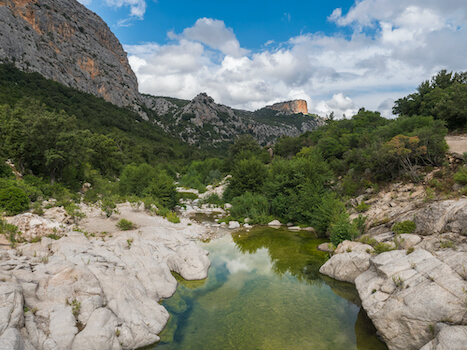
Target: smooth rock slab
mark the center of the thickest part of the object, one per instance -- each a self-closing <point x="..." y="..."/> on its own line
<point x="346" y="266"/>
<point x="448" y="338"/>
<point x="405" y="295"/>
<point x="11" y="339"/>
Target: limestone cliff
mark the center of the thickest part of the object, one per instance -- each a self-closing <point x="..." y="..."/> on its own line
<point x="64" y="41"/>
<point x="290" y="107"/>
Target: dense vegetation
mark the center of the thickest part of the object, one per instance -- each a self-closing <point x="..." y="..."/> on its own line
<point x="444" y="98"/>
<point x="60" y="138"/>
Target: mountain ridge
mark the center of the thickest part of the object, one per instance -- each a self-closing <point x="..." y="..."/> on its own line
<point x="64" y="41"/>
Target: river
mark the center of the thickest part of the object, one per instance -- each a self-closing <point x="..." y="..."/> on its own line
<point x="264" y="291"/>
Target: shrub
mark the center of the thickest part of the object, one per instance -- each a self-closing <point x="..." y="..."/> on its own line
<point x="247" y="175"/>
<point x="162" y="188"/>
<point x="342" y="230"/>
<point x="461" y="176"/>
<point x="383" y="247"/>
<point x="126" y="225"/>
<point x="10" y="231"/>
<point x="404" y="227"/>
<point x="214" y="199"/>
<point x="172" y="217"/>
<point x="359" y="223"/>
<point x="362" y="207"/>
<point x="326" y="212"/>
<point x="109" y="205"/>
<point x="13" y="200"/>
<point x="187" y="195"/>
<point x="253" y="206"/>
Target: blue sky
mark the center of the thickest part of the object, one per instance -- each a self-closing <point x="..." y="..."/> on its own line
<point x="254" y="22"/>
<point x="338" y="55"/>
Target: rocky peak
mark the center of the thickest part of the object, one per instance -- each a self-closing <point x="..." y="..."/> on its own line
<point x="202" y="109"/>
<point x="64" y="41"/>
<point x="290" y="107"/>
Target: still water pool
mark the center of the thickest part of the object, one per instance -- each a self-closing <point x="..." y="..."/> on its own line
<point x="264" y="291"/>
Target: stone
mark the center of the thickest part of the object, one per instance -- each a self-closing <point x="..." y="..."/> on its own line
<point x="294" y="228"/>
<point x="100" y="332"/>
<point x="351" y="246"/>
<point x="110" y="289"/>
<point x="275" y="223"/>
<point x="11" y="339"/>
<point x="325" y="247"/>
<point x="406" y="240"/>
<point x="404" y="294"/>
<point x="11" y="305"/>
<point x="440" y="217"/>
<point x="234" y="224"/>
<point x="350" y="259"/>
<point x="448" y="338"/>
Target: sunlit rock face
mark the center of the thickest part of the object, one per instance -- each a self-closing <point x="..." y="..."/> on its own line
<point x="64" y="41"/>
<point x="290" y="107"/>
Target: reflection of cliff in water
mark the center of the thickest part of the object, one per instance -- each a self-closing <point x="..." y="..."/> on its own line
<point x="290" y="252"/>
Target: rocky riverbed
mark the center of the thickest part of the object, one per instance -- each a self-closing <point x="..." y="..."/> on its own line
<point x="95" y="289"/>
<point x="416" y="294"/>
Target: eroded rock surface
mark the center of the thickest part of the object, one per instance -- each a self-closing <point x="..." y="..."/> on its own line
<point x="350" y="259"/>
<point x="64" y="41"/>
<point x="89" y="293"/>
<point x="405" y="295"/>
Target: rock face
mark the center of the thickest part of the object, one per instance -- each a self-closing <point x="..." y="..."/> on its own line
<point x="290" y="107"/>
<point x="405" y="295"/>
<point x="202" y="120"/>
<point x="79" y="293"/>
<point x="350" y="260"/>
<point x="64" y="41"/>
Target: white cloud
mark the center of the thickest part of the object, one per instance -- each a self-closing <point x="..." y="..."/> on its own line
<point x="213" y="33"/>
<point x="85" y="2"/>
<point x="407" y="42"/>
<point x="137" y="7"/>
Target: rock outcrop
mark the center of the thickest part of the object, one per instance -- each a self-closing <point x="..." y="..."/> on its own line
<point x="202" y="121"/>
<point x="80" y="292"/>
<point x="290" y="107"/>
<point x="415" y="294"/>
<point x="405" y="295"/>
<point x="64" y="41"/>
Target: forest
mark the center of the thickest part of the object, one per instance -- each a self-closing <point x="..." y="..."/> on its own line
<point x="59" y="139"/>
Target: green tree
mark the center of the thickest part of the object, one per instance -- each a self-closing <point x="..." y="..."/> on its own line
<point x="248" y="175"/>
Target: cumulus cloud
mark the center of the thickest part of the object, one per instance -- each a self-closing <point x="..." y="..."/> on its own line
<point x="394" y="46"/>
<point x="213" y="33"/>
<point x="137" y="7"/>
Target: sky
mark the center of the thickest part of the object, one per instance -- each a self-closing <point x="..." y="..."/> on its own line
<point x="339" y="56"/>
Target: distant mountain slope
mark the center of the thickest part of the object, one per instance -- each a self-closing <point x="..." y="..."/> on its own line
<point x="64" y="41"/>
<point x="201" y="121"/>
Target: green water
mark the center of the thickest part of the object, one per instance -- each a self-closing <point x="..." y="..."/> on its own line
<point x="264" y="291"/>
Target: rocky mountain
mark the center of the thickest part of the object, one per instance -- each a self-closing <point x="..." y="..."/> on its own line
<point x="64" y="41"/>
<point x="290" y="107"/>
<point x="202" y="120"/>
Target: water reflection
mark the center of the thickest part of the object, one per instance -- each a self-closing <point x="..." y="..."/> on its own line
<point x="264" y="291"/>
<point x="289" y="252"/>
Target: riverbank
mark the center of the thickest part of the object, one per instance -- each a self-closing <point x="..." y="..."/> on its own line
<point x="412" y="285"/>
<point x="95" y="287"/>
